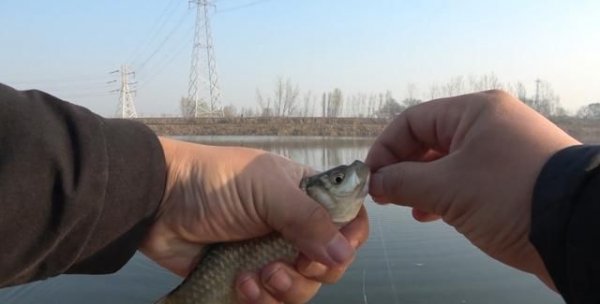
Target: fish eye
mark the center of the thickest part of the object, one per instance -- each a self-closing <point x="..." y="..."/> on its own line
<point x="338" y="178"/>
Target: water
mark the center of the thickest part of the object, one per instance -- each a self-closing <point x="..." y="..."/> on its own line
<point x="402" y="262"/>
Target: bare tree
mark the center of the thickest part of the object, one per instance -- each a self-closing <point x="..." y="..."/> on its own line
<point x="356" y="105"/>
<point x="229" y="111"/>
<point x="371" y="105"/>
<point x="455" y="86"/>
<point x="265" y="106"/>
<point x="434" y="91"/>
<point x="290" y="99"/>
<point x="247" y="112"/>
<point x="590" y="111"/>
<point x="411" y="91"/>
<point x="361" y="105"/>
<point x="390" y="107"/>
<point x="334" y="103"/>
<point x="308" y="107"/>
<point x="545" y="100"/>
<point x="519" y="90"/>
<point x="284" y="101"/>
<point x="484" y="82"/>
<point x="278" y="96"/>
<point x="324" y="105"/>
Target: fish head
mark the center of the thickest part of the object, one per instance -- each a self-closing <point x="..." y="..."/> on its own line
<point x="341" y="190"/>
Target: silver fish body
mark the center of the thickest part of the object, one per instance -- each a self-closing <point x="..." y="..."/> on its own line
<point x="340" y="190"/>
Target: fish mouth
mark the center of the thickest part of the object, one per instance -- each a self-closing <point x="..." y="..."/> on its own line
<point x="365" y="187"/>
<point x="364" y="174"/>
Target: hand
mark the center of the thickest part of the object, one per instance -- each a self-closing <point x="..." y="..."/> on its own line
<point x="473" y="161"/>
<point x="220" y="194"/>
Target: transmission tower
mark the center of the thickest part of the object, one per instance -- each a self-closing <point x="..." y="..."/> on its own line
<point x="203" y="92"/>
<point x="126" y="107"/>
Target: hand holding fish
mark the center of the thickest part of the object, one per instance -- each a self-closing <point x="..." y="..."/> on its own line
<point x="473" y="161"/>
<point x="222" y="194"/>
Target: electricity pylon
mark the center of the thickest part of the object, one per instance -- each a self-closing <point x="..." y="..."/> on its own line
<point x="126" y="107"/>
<point x="203" y="98"/>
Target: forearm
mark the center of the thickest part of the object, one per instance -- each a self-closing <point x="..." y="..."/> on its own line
<point x="565" y="228"/>
<point x="77" y="192"/>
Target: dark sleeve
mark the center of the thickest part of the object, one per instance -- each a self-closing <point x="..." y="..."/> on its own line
<point x="77" y="191"/>
<point x="566" y="222"/>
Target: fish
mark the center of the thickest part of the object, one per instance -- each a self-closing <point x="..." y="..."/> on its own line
<point x="341" y="190"/>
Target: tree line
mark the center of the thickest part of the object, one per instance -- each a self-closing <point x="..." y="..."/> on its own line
<point x="287" y="100"/>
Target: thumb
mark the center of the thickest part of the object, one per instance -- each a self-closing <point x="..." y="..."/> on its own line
<point x="420" y="185"/>
<point x="308" y="226"/>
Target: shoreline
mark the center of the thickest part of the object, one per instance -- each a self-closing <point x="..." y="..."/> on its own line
<point x="585" y="130"/>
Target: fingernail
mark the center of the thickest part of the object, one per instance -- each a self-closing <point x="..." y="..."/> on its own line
<point x="314" y="269"/>
<point x="249" y="289"/>
<point x="339" y="249"/>
<point x="279" y="280"/>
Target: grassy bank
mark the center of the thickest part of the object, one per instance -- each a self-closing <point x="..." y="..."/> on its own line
<point x="290" y="126"/>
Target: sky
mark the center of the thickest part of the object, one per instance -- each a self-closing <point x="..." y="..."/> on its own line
<point x="70" y="47"/>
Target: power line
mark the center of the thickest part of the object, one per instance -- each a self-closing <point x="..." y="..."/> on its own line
<point x="160" y="67"/>
<point x="154" y="31"/>
<point x="163" y="42"/>
<point x="72" y="80"/>
<point x="239" y="7"/>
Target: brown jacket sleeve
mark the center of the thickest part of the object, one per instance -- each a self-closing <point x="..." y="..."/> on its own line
<point x="77" y="191"/>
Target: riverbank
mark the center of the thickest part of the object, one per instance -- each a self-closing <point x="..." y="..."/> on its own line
<point x="586" y="130"/>
<point x="267" y="126"/>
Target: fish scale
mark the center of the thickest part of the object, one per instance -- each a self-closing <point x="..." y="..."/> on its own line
<point x="223" y="262"/>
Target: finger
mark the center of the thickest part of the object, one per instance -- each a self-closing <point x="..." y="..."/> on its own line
<point x="287" y="285"/>
<point x="249" y="290"/>
<point x="356" y="232"/>
<point x="319" y="272"/>
<point x="308" y="225"/>
<point x="414" y="132"/>
<point x="419" y="185"/>
<point x="423" y="216"/>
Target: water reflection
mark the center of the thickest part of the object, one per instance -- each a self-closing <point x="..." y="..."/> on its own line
<point x="319" y="152"/>
<point x="402" y="262"/>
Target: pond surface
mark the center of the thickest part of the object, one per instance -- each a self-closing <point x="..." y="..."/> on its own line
<point x="402" y="262"/>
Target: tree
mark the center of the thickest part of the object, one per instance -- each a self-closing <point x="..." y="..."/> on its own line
<point x="484" y="82"/>
<point x="334" y="103"/>
<point x="284" y="101"/>
<point x="390" y="107"/>
<point x="544" y="101"/>
<point x="434" y="91"/>
<point x="455" y="86"/>
<point x="411" y="91"/>
<point x="408" y="102"/>
<point x="265" y="106"/>
<point x="371" y="108"/>
<point x="229" y="111"/>
<point x="248" y="112"/>
<point x="309" y="104"/>
<point x="324" y="105"/>
<point x="590" y="111"/>
<point x="356" y="105"/>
